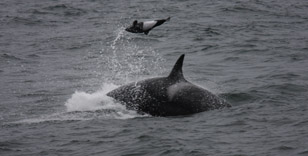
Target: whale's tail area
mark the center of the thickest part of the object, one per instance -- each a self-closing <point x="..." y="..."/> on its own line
<point x="160" y="22"/>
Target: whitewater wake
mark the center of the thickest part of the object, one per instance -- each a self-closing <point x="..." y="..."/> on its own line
<point x="88" y="106"/>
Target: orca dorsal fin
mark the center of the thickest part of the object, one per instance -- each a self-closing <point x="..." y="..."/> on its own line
<point x="177" y="73"/>
<point x="135" y="23"/>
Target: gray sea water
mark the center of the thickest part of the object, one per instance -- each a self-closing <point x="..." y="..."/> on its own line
<point x="58" y="59"/>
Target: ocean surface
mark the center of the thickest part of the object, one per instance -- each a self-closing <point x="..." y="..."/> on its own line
<point x="58" y="59"/>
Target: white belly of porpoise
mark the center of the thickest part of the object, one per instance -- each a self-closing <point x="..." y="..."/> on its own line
<point x="148" y="25"/>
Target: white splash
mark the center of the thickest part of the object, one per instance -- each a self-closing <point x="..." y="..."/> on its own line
<point x="120" y="34"/>
<point x="82" y="101"/>
<point x="88" y="106"/>
<point x="99" y="103"/>
<point x="124" y="61"/>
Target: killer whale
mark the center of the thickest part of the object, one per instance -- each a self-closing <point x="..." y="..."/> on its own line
<point x="145" y="27"/>
<point x="167" y="96"/>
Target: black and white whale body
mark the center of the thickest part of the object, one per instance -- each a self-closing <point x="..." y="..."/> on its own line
<point x="145" y="27"/>
<point x="167" y="96"/>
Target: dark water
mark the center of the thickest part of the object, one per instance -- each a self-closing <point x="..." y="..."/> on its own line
<point x="59" y="58"/>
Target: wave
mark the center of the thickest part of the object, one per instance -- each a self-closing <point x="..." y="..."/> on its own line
<point x="10" y="57"/>
<point x="66" y="10"/>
